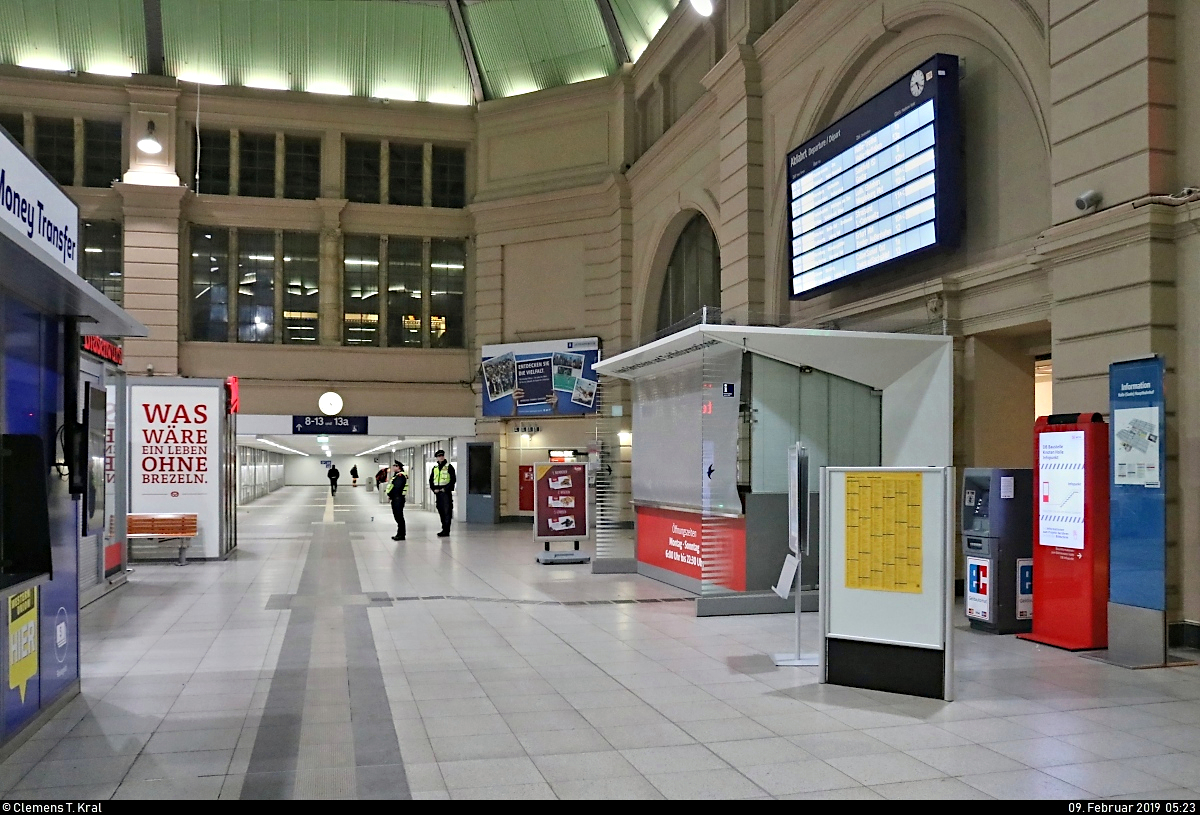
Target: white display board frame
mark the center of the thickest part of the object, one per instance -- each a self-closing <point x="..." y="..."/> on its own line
<point x="913" y="620"/>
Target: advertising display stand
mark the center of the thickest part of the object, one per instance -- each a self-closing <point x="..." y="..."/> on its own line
<point x="791" y="577"/>
<point x="560" y="510"/>
<point x="1070" y="552"/>
<point x="997" y="545"/>
<point x="887" y="579"/>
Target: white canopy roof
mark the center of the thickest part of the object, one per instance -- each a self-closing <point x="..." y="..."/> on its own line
<point x="914" y="371"/>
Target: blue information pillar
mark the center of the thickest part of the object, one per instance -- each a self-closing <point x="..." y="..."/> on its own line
<point x="1137" y="606"/>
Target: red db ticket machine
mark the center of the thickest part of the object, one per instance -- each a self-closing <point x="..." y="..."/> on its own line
<point x="1070" y="532"/>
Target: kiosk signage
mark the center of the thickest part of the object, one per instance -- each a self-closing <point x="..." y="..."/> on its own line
<point x="1070" y="553"/>
<point x="560" y="509"/>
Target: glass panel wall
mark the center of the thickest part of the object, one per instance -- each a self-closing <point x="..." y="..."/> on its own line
<point x="405" y="324"/>
<point x="360" y="290"/>
<point x="54" y="141"/>
<point x="214" y="162"/>
<point x="449" y="177"/>
<point x="301" y="167"/>
<point x="301" y="295"/>
<point x="448" y="263"/>
<point x="405" y="169"/>
<point x="102" y="153"/>
<point x="362" y="171"/>
<point x="256" y="285"/>
<point x="209" y="304"/>
<point x="102" y="259"/>
<point x="256" y="165"/>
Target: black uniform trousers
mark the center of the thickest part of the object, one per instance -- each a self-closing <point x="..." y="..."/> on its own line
<point x="445" y="508"/>
<point x="398" y="514"/>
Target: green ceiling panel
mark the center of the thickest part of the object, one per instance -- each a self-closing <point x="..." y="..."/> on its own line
<point x="360" y="47"/>
<point x="385" y="48"/>
<point x="640" y="20"/>
<point x="99" y="36"/>
<point x="529" y="45"/>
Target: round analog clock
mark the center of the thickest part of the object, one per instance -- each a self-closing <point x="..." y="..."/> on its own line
<point x="330" y="403"/>
<point x="917" y="83"/>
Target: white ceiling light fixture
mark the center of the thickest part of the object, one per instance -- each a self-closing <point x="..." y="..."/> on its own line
<point x="703" y="7"/>
<point x="330" y="403"/>
<point x="261" y="440"/>
<point x="149" y="143"/>
<point x="387" y="444"/>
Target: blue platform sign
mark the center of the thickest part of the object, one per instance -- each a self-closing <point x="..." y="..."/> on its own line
<point x="1138" y="504"/>
<point x="315" y="425"/>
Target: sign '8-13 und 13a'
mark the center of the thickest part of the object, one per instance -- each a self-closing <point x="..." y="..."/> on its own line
<point x="348" y="425"/>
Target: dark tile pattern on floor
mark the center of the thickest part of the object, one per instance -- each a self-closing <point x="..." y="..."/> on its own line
<point x="324" y="660"/>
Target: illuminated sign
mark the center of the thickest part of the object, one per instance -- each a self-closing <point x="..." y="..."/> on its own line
<point x="104" y="349"/>
<point x="880" y="184"/>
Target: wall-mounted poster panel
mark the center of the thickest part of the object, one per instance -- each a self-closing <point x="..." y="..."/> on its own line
<point x="880" y="183"/>
<point x="551" y="378"/>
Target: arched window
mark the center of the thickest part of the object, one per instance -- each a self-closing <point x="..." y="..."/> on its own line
<point x="693" y="275"/>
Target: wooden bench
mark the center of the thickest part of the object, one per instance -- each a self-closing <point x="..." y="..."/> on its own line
<point x="164" y="526"/>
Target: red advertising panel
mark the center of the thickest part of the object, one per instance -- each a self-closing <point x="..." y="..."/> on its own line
<point x="1070" y="532"/>
<point x="670" y="539"/>
<point x="525" y="488"/>
<point x="560" y="510"/>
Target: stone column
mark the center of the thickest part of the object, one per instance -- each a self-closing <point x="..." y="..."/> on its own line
<point x="330" y="270"/>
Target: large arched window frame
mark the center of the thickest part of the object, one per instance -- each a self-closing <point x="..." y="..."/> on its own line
<point x="693" y="276"/>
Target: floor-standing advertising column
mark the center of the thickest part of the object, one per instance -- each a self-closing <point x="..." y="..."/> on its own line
<point x="176" y="461"/>
<point x="560" y="509"/>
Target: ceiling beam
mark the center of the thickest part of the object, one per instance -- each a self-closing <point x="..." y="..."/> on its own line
<point x="152" y="13"/>
<point x="615" y="38"/>
<point x="464" y="39"/>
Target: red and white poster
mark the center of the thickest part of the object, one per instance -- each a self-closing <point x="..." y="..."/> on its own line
<point x="174" y="456"/>
<point x="671" y="540"/>
<point x="525" y="488"/>
<point x="560" y="510"/>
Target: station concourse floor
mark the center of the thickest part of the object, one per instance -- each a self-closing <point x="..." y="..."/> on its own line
<point x="324" y="660"/>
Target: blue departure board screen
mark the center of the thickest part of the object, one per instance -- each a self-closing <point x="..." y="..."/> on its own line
<point x="880" y="184"/>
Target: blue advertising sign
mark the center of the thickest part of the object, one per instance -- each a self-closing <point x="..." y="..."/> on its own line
<point x="59" y="601"/>
<point x="552" y="378"/>
<point x="316" y="425"/>
<point x="1138" y="502"/>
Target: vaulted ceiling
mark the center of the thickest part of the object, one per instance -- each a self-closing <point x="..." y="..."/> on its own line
<point x="445" y="51"/>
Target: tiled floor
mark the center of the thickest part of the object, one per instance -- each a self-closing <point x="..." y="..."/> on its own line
<point x="326" y="661"/>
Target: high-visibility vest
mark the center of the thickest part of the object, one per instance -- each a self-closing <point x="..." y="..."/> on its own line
<point x="441" y="476"/>
<point x="392" y="483"/>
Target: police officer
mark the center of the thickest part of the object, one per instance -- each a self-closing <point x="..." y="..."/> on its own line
<point x="441" y="483"/>
<point x="397" y="492"/>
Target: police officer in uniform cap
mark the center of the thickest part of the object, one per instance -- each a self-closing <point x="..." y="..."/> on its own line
<point x="441" y="483"/>
<point x="397" y="492"/>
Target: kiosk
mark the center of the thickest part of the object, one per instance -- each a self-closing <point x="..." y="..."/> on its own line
<point x="997" y="547"/>
<point x="47" y="474"/>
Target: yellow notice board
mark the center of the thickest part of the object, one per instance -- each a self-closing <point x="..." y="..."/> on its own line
<point x="883" y="531"/>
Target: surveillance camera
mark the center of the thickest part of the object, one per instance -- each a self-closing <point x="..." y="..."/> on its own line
<point x="149" y="370"/>
<point x="1087" y="200"/>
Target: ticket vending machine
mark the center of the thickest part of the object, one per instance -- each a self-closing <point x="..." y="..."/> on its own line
<point x="997" y="542"/>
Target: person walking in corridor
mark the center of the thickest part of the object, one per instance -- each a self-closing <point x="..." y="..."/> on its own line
<point x="397" y="492"/>
<point x="441" y="483"/>
<point x="354" y="476"/>
<point x="334" y="475"/>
